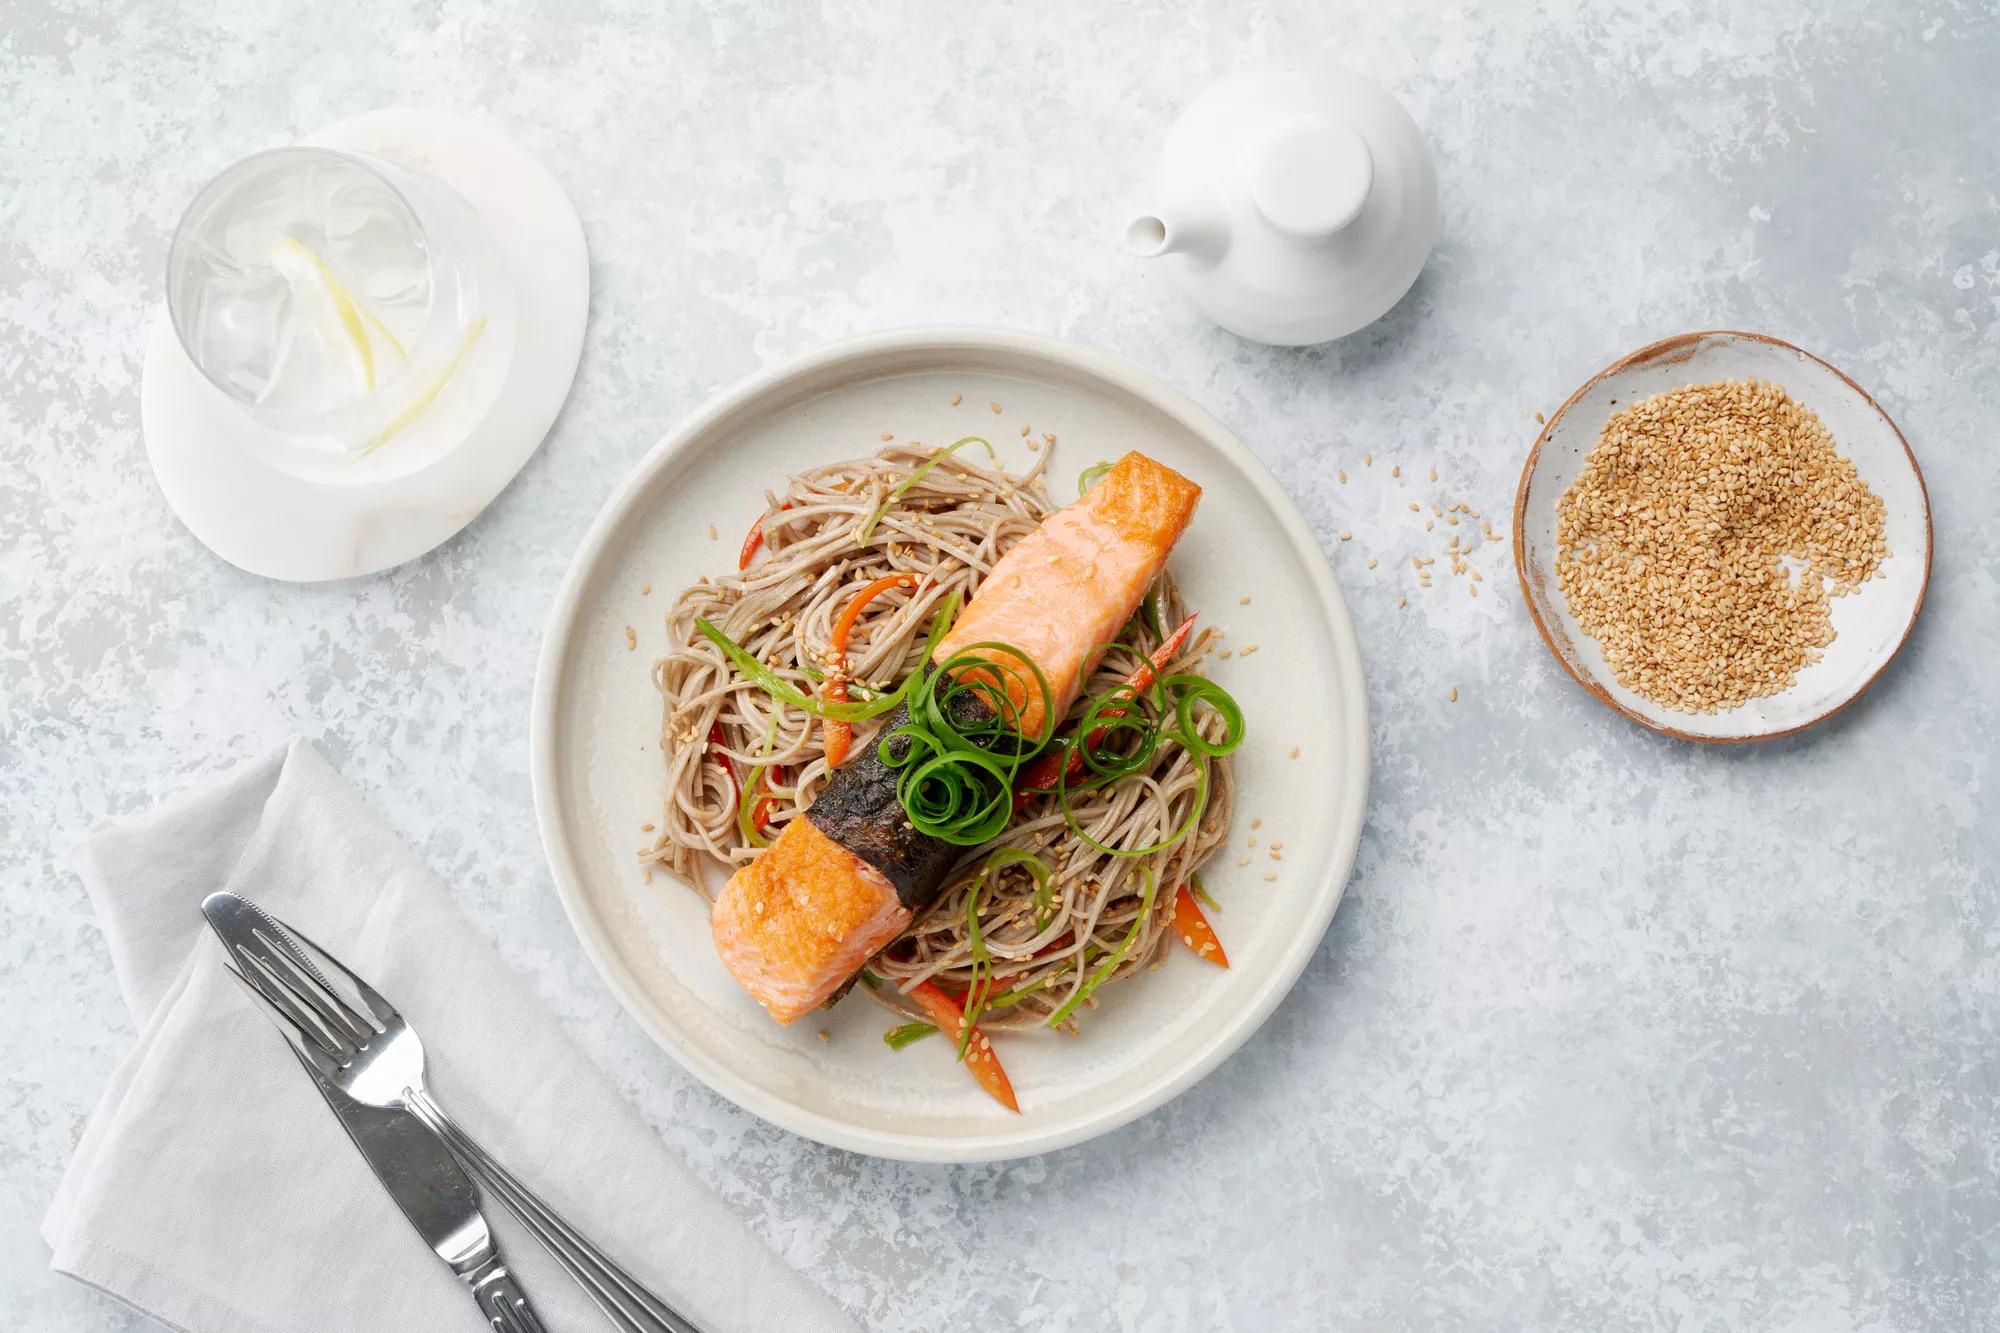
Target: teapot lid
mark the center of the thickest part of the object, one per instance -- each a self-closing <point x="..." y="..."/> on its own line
<point x="1296" y="208"/>
<point x="1312" y="176"/>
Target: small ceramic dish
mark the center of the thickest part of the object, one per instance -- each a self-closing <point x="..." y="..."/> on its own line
<point x="1870" y="623"/>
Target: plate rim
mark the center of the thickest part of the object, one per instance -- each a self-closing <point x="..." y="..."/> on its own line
<point x="858" y="350"/>
<point x="1651" y="352"/>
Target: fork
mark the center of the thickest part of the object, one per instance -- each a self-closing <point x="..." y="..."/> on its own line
<point x="357" y="1041"/>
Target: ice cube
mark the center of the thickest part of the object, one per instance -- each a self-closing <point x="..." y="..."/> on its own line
<point x="373" y="240"/>
<point x="238" y="324"/>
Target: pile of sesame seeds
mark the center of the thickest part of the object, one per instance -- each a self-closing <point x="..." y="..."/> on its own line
<point x="1703" y="541"/>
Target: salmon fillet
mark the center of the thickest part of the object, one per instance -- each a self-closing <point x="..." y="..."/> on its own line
<point x="838" y="885"/>
<point x="797" y="922"/>
<point x="1070" y="586"/>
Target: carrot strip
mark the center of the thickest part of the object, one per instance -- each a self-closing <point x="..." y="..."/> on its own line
<point x="1192" y="929"/>
<point x="979" y="1057"/>
<point x="1041" y="775"/>
<point x="840" y="735"/>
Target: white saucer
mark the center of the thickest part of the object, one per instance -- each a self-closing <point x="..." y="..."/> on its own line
<point x="209" y="456"/>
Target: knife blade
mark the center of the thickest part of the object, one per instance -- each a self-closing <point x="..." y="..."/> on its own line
<point x="419" y="1174"/>
<point x="436" y="1196"/>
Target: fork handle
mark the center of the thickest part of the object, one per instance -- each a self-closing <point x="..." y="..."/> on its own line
<point x="623" y="1299"/>
<point x="501" y="1299"/>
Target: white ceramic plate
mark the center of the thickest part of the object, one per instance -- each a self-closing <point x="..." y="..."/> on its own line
<point x="1870" y="624"/>
<point x="597" y="766"/>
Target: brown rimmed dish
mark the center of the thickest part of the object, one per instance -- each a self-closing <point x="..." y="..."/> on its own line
<point x="1871" y="624"/>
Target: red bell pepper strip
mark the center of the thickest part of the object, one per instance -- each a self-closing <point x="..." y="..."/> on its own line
<point x="1041" y="774"/>
<point x="760" y="818"/>
<point x="1192" y="929"/>
<point x="754" y="539"/>
<point x="979" y="1057"/>
<point x="840" y="735"/>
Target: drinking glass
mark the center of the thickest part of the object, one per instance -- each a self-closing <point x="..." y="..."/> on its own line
<point x="354" y="306"/>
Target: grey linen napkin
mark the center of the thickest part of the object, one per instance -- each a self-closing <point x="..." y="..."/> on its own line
<point x="214" y="1190"/>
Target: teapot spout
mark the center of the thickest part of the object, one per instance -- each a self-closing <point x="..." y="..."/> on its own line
<point x="1151" y="235"/>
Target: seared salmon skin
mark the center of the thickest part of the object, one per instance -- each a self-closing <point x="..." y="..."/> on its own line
<point x="836" y="886"/>
<point x="796" y="923"/>
<point x="1070" y="586"/>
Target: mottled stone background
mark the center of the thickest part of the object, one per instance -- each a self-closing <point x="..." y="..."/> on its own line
<point x="1610" y="1031"/>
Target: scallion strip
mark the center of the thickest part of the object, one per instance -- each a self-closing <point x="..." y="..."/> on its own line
<point x="1038" y="870"/>
<point x="749" y="799"/>
<point x="956" y="782"/>
<point x="1110" y="964"/>
<point x="867" y="529"/>
<point x="899" y="1037"/>
<point x="1089" y="477"/>
<point x="982" y="966"/>
<point x="784" y="691"/>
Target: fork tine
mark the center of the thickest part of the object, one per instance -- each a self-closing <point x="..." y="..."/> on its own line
<point x="307" y="1047"/>
<point x="254" y="971"/>
<point x="281" y="953"/>
<point x="380" y="1010"/>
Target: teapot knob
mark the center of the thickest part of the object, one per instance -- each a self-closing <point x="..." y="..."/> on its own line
<point x="1313" y="177"/>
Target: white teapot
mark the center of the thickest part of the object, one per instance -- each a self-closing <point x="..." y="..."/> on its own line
<point x="1298" y="207"/>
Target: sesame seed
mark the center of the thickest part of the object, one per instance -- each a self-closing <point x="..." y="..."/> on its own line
<point x="646" y="591"/>
<point x="631" y="639"/>
<point x="1539" y="420"/>
<point x="1246" y="650"/>
<point x="995" y="407"/>
<point x="824" y="1035"/>
<point x="1295" y="752"/>
<point x="1453" y="696"/>
<point x="1256" y="823"/>
<point x="1347" y="536"/>
<point x="712" y="533"/>
<point x="1340" y="477"/>
<point x="1368" y="460"/>
<point x="1402" y="602"/>
<point x="1270" y="877"/>
<point x="1434" y="474"/>
<point x="957" y="398"/>
<point x="1396" y="471"/>
<point x="1371" y="562"/>
<point x="887" y="436"/>
<point x="1024" y="432"/>
<point x="1674" y="546"/>
<point x="1415" y="507"/>
<point x="1244" y="600"/>
<point x="645" y="828"/>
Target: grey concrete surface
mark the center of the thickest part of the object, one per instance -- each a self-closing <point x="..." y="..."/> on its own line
<point x="1610" y="1032"/>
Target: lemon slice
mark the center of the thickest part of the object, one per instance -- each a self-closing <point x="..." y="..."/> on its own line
<point x="429" y="391"/>
<point x="338" y="319"/>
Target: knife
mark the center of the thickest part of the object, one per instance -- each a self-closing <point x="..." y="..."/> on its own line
<point x="412" y="1163"/>
<point x="437" y="1197"/>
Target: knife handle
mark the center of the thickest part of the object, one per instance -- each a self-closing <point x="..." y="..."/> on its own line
<point x="501" y="1299"/>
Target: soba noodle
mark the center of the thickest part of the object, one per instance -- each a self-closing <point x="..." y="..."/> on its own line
<point x="949" y="526"/>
